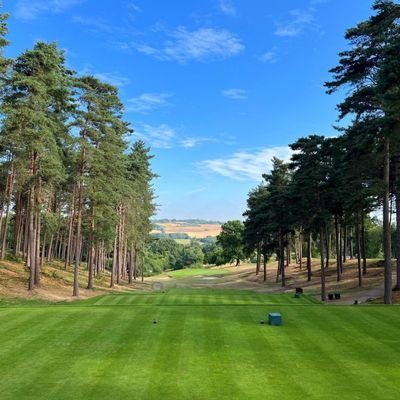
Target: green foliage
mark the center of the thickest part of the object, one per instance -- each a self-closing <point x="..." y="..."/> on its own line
<point x="231" y="239"/>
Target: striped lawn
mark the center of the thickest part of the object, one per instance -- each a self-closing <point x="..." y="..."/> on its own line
<point x="207" y="344"/>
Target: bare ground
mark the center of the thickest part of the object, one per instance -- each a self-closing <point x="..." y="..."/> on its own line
<point x="56" y="283"/>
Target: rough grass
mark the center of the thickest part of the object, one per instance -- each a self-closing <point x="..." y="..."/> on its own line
<point x="207" y="344"/>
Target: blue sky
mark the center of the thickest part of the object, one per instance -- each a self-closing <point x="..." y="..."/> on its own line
<point x="215" y="87"/>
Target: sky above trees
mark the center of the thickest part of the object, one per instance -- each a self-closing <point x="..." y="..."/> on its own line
<point x="215" y="87"/>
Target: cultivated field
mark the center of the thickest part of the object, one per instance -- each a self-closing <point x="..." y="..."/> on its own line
<point x="194" y="231"/>
<point x="206" y="344"/>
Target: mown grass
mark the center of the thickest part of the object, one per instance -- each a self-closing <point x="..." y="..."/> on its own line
<point x="189" y="272"/>
<point x="207" y="344"/>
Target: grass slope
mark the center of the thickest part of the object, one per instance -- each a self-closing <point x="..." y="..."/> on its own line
<point x="208" y="344"/>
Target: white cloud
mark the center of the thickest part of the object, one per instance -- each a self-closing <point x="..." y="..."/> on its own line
<point x="204" y="44"/>
<point x="161" y="136"/>
<point x="299" y="21"/>
<point x="235" y="94"/>
<point x="113" y="78"/>
<point x="94" y="23"/>
<point x="133" y="7"/>
<point x="147" y="102"/>
<point x="227" y="7"/>
<point x="191" y="142"/>
<point x="246" y="165"/>
<point x="269" y="56"/>
<point x="31" y="9"/>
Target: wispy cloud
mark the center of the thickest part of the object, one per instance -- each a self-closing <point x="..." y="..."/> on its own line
<point x="269" y="56"/>
<point x="133" y="7"/>
<point x="147" y="102"/>
<point x="160" y="136"/>
<point x="191" y="142"/>
<point x="227" y="7"/>
<point x="235" y="93"/>
<point x="32" y="9"/>
<point x="203" y="44"/>
<point x="163" y="136"/>
<point x="300" y="20"/>
<point x="113" y="78"/>
<point x="246" y="165"/>
<point x="96" y="24"/>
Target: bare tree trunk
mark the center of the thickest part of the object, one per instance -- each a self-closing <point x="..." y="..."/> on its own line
<point x="323" y="294"/>
<point x="338" y="253"/>
<point x="265" y="267"/>
<point x="135" y="264"/>
<point x="143" y="264"/>
<point x="327" y="246"/>
<point x="8" y="191"/>
<point x="309" y="239"/>
<point x="37" y="266"/>
<point x="301" y="247"/>
<point x="386" y="228"/>
<point x="131" y="263"/>
<point x="351" y="244"/>
<point x="70" y="231"/>
<point x="114" y="262"/>
<point x="344" y="243"/>
<point x="282" y="251"/>
<point x="397" y="287"/>
<point x="358" y="238"/>
<point x="31" y="240"/>
<point x="258" y="264"/>
<point x="364" y="257"/>
<point x="78" y="240"/>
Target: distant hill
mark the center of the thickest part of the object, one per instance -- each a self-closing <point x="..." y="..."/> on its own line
<point x="186" y="228"/>
<point x="186" y="221"/>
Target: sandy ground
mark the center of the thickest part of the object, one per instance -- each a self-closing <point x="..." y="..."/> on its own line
<point x="56" y="283"/>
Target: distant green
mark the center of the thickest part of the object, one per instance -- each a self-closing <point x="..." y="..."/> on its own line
<point x="206" y="344"/>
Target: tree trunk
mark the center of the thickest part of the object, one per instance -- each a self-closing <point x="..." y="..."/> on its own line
<point x="282" y="251"/>
<point x="309" y="239"/>
<point x="397" y="287"/>
<point x="31" y="240"/>
<point x="265" y="267"/>
<point x="70" y="231"/>
<point x="364" y="257"/>
<point x="386" y="229"/>
<point x="327" y="246"/>
<point x="258" y="264"/>
<point x="358" y="238"/>
<point x="113" y="272"/>
<point x="301" y="247"/>
<point x="344" y="243"/>
<point x="321" y="237"/>
<point x="338" y="254"/>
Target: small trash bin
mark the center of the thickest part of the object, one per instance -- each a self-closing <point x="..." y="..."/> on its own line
<point x="275" y="319"/>
<point x="337" y="296"/>
<point x="299" y="290"/>
<point x="331" y="296"/>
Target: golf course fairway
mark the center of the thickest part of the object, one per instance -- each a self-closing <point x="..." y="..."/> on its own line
<point x="199" y="344"/>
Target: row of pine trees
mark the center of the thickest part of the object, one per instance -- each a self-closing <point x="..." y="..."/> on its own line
<point x="332" y="184"/>
<point x="71" y="188"/>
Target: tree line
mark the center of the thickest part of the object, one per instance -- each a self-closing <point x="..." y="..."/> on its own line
<point x="71" y="188"/>
<point x="331" y="185"/>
